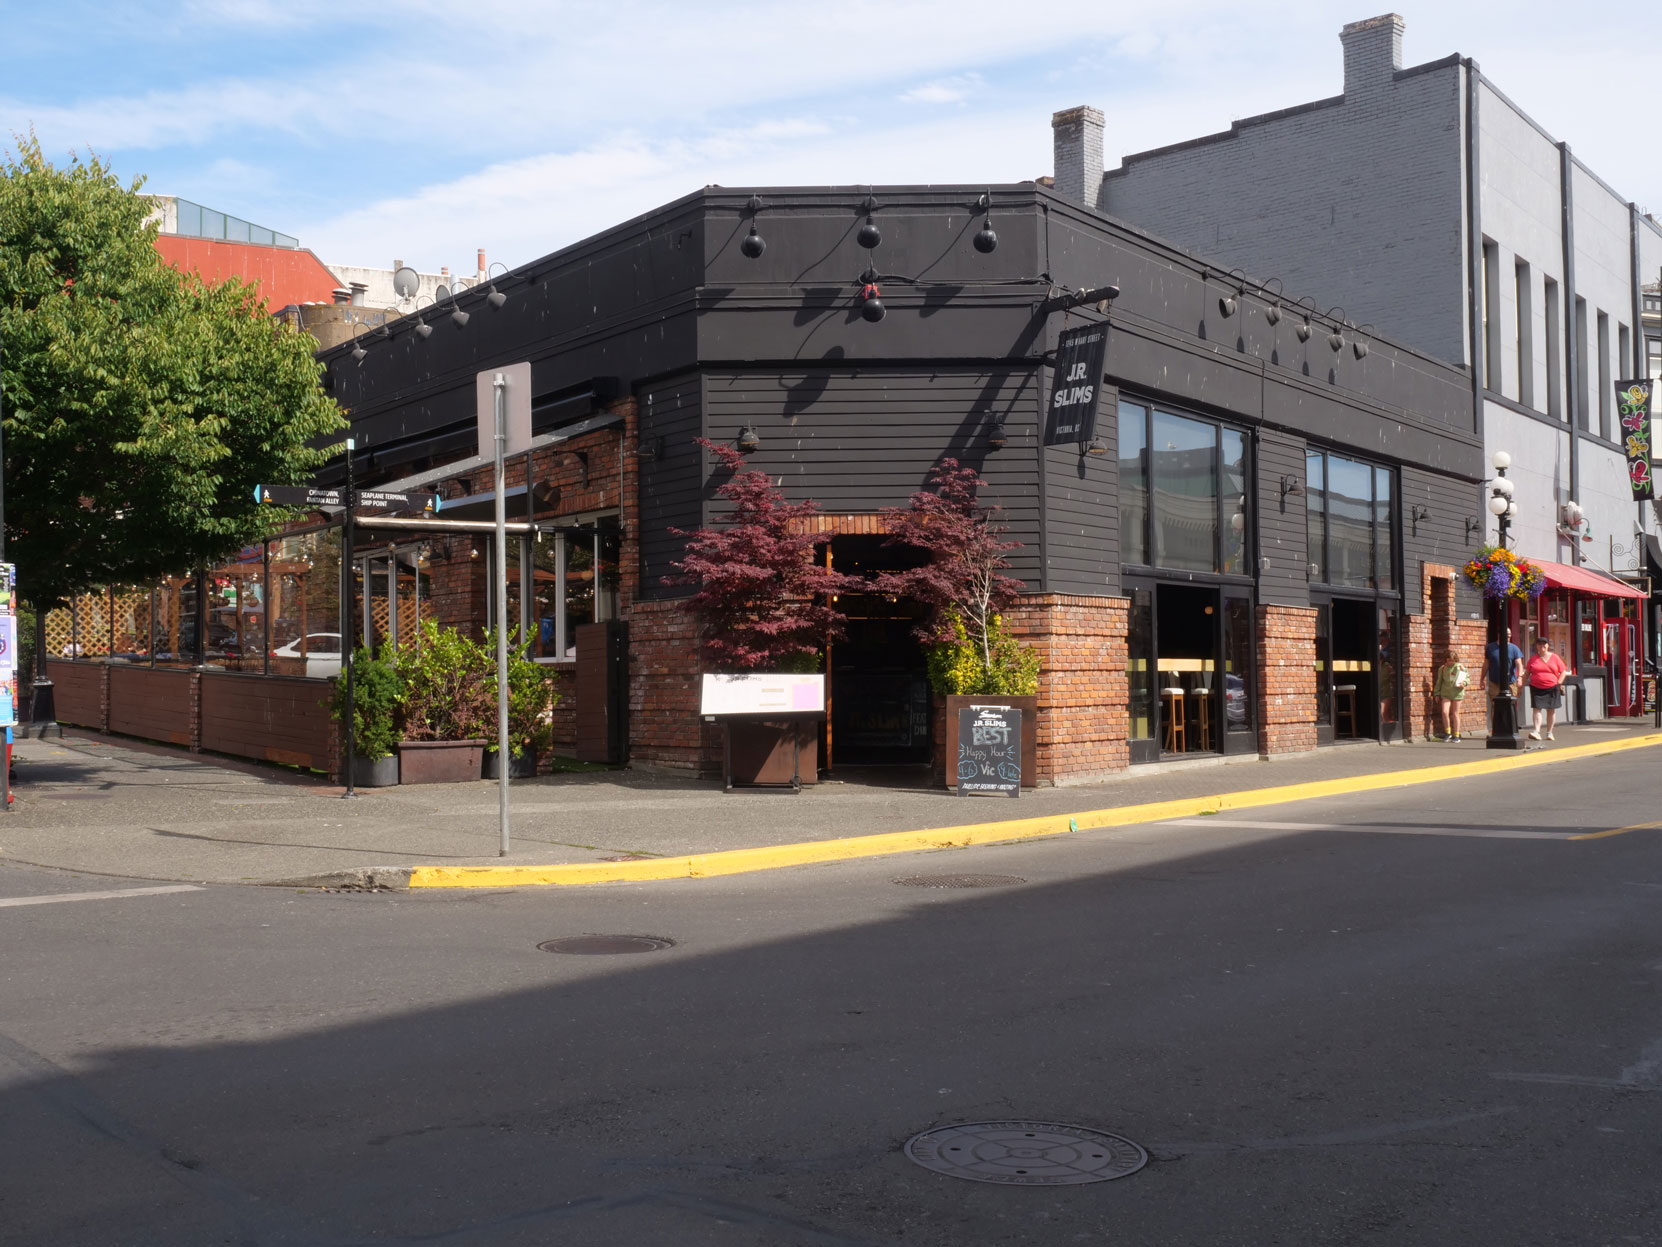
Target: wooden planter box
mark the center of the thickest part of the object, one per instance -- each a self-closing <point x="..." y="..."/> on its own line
<point x="763" y="753"/>
<point x="439" y="761"/>
<point x="1029" y="707"/>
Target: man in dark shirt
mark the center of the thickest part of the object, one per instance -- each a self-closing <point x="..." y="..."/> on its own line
<point x="1502" y="673"/>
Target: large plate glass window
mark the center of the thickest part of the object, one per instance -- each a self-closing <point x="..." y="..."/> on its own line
<point x="1183" y="494"/>
<point x="575" y="577"/>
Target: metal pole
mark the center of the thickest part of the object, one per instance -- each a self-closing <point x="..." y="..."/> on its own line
<point x="348" y="539"/>
<point x="502" y="757"/>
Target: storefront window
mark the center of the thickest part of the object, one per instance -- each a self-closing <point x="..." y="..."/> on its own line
<point x="235" y="638"/>
<point x="174" y="623"/>
<point x="1587" y="635"/>
<point x="1133" y="483"/>
<point x="304" y="600"/>
<point x="1351" y="522"/>
<point x="1184" y="465"/>
<point x="575" y="577"/>
<point x="1236" y="531"/>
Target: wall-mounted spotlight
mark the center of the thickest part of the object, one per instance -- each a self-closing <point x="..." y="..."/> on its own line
<point x="423" y="329"/>
<point x="1416" y="513"/>
<point x="496" y="298"/>
<point x="1095" y="448"/>
<point x="1290" y="486"/>
<point x="1304" y="329"/>
<point x="1336" y="339"/>
<point x="1228" y="303"/>
<point x="459" y="318"/>
<point x="871" y="298"/>
<point x="996" y="436"/>
<point x="749" y="439"/>
<point x="650" y="449"/>
<point x="986" y="240"/>
<point x="753" y="244"/>
<point x="1272" y="313"/>
<point x="1359" y="347"/>
<point x="869" y="236"/>
<point x="1473" y="526"/>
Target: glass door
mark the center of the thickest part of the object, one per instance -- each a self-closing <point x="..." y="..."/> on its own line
<point x="1139" y="668"/>
<point x="1238" y="686"/>
<point x="1324" y="672"/>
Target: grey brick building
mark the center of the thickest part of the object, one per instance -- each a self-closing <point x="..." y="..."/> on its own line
<point x="1424" y="202"/>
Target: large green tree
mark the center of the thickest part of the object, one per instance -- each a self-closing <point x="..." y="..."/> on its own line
<point x="141" y="406"/>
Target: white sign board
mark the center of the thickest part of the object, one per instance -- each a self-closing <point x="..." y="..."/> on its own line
<point x="763" y="694"/>
<point x="518" y="423"/>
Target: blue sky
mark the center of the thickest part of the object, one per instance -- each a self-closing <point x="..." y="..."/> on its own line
<point x="424" y="130"/>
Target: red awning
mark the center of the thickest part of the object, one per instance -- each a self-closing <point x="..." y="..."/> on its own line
<point x="1584" y="580"/>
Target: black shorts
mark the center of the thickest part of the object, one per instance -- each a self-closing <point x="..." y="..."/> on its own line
<point x="1546" y="698"/>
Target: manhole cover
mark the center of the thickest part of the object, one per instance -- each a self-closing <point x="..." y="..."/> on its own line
<point x="1026" y="1153"/>
<point x="601" y="944"/>
<point x="959" y="881"/>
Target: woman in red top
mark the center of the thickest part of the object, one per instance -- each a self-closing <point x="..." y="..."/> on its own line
<point x="1545" y="672"/>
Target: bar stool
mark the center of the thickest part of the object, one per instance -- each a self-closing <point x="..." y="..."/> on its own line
<point x="1177" y="740"/>
<point x="1202" y="698"/>
<point x="1344" y="707"/>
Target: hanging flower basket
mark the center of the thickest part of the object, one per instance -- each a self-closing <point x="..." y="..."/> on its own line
<point x="1497" y="573"/>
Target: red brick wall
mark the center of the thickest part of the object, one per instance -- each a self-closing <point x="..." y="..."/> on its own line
<point x="1084" y="720"/>
<point x="1286" y="679"/>
<point x="665" y="731"/>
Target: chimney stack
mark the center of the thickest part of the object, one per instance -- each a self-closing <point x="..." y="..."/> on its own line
<point x="481" y="264"/>
<point x="342" y="295"/>
<point x="1077" y="140"/>
<point x="359" y="290"/>
<point x="1373" y="52"/>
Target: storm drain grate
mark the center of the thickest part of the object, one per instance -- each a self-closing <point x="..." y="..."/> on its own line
<point x="1026" y="1153"/>
<point x="959" y="881"/>
<point x="600" y="945"/>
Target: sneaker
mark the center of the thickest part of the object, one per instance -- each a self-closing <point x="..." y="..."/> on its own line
<point x="1455" y="738"/>
<point x="1549" y="736"/>
<point x="1534" y="735"/>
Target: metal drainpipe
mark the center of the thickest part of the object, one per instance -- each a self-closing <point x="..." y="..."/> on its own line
<point x="1572" y="331"/>
<point x="1474" y="268"/>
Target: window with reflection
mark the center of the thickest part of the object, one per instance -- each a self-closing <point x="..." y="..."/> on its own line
<point x="1351" y="522"/>
<point x="574" y="578"/>
<point x="1183" y="493"/>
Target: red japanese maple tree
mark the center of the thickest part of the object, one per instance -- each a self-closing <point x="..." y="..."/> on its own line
<point x="763" y="598"/>
<point x="962" y="583"/>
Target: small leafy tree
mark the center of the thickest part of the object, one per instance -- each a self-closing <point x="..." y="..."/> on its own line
<point x="377" y="702"/>
<point x="962" y="585"/>
<point x="531" y="700"/>
<point x="763" y="598"/>
<point x="449" y="686"/>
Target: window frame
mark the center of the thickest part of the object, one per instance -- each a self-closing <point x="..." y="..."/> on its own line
<point x="1226" y="505"/>
<point x="1393" y="526"/>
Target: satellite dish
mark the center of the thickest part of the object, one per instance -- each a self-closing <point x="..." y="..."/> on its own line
<point x="443" y="292"/>
<point x="406" y="281"/>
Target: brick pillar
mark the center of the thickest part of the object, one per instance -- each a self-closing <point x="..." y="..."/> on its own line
<point x="104" y="698"/>
<point x="1428" y="636"/>
<point x="196" y="712"/>
<point x="1286" y="679"/>
<point x="1084" y="718"/>
<point x="665" y="729"/>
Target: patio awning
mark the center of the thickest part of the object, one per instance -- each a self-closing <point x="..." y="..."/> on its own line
<point x="1584" y="580"/>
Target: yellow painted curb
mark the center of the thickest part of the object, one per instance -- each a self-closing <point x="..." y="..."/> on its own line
<point x="742" y="861"/>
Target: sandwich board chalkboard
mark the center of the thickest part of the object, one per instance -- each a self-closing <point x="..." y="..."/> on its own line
<point x="989" y="751"/>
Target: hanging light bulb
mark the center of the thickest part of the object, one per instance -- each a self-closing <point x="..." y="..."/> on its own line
<point x="871" y="303"/>
<point x="753" y="245"/>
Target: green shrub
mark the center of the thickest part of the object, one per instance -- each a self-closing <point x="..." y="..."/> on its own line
<point x="377" y="699"/>
<point x="531" y="700"/>
<point x="449" y="684"/>
<point x="1005" y="668"/>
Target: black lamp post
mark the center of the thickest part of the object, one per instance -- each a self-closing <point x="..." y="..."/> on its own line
<point x="1503" y="709"/>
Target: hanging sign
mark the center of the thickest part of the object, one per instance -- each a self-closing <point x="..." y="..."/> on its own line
<point x="1633" y="410"/>
<point x="989" y="751"/>
<point x="1080" y="353"/>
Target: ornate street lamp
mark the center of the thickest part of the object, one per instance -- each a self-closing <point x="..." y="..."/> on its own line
<point x="1503" y="709"/>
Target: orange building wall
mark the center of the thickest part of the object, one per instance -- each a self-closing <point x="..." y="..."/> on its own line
<point x="284" y="276"/>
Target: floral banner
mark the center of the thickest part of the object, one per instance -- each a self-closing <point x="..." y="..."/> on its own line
<point x="1633" y="410"/>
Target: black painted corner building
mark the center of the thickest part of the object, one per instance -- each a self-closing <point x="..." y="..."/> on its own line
<point x="1238" y="557"/>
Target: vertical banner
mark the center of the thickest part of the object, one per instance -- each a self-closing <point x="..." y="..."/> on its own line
<point x="1633" y="410"/>
<point x="1080" y="353"/>
<point x="8" y="647"/>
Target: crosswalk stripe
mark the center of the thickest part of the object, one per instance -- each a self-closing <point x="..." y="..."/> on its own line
<point x="96" y="896"/>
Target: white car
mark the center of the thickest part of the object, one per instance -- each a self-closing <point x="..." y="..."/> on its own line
<point x="322" y="652"/>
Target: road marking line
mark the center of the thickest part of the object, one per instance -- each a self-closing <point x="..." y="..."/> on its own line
<point x="1617" y="831"/>
<point x="1476" y="833"/>
<point x="97" y="896"/>
<point x="737" y="861"/>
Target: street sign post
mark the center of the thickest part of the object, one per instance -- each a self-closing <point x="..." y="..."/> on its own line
<point x="307" y="496"/>
<point x="504" y="402"/>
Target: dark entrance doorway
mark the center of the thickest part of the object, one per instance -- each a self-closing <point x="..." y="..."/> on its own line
<point x="1190" y="669"/>
<point x="1357" y="663"/>
<point x="879" y="680"/>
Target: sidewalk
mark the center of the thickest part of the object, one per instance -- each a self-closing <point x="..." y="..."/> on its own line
<point x="97" y="805"/>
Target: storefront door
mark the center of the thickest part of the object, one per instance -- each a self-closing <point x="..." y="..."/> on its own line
<point x="1190" y="670"/>
<point x="1358" y="686"/>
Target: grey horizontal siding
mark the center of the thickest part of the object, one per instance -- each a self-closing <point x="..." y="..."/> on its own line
<point x="1282" y="523"/>
<point x="1440" y="537"/>
<point x="857" y="440"/>
<point x="1081" y="515"/>
<point x="671" y="483"/>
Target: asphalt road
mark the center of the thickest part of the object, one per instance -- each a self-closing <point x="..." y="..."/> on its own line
<point x="1421" y="1017"/>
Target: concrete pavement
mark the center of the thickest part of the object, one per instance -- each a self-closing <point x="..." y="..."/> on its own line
<point x="100" y="805"/>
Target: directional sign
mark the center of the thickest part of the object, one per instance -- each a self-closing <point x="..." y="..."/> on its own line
<point x="395" y="502"/>
<point x="297" y="496"/>
<point x="305" y="496"/>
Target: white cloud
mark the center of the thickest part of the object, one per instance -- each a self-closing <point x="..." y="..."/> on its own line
<point x="953" y="90"/>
